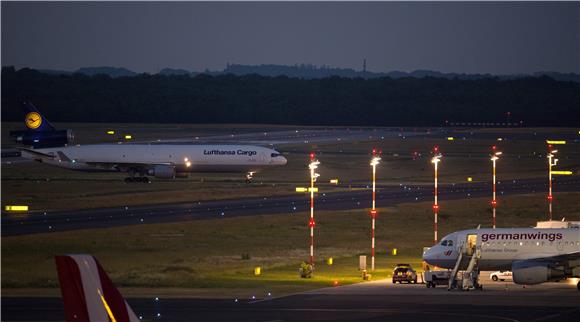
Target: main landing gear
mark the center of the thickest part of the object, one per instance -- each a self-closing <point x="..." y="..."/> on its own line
<point x="137" y="179"/>
<point x="132" y="178"/>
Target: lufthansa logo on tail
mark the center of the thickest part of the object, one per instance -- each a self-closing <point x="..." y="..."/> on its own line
<point x="33" y="120"/>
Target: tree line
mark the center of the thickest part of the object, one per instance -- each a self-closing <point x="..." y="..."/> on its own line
<point x="536" y="101"/>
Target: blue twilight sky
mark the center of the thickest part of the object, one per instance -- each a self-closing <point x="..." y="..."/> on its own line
<point x="465" y="37"/>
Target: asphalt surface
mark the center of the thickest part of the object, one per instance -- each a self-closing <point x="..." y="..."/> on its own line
<point x="370" y="301"/>
<point x="287" y="205"/>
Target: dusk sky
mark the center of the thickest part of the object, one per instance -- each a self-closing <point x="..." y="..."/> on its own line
<point x="497" y="38"/>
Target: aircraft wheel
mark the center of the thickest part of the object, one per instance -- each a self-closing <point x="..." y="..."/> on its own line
<point x="494" y="278"/>
<point x="129" y="180"/>
<point x="145" y="180"/>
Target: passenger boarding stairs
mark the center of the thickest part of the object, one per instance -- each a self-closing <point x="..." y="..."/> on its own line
<point x="470" y="277"/>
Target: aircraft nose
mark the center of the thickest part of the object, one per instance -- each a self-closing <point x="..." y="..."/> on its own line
<point x="283" y="160"/>
<point x="428" y="255"/>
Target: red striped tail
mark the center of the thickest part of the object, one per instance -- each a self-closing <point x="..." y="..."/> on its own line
<point x="88" y="293"/>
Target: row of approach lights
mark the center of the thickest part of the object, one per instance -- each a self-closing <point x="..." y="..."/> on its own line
<point x="494" y="156"/>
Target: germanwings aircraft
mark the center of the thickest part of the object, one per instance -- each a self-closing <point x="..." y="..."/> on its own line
<point x="87" y="292"/>
<point x="533" y="255"/>
<point x="139" y="160"/>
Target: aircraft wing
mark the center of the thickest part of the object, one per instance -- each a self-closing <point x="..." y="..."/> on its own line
<point x="570" y="260"/>
<point x="124" y="166"/>
<point x="560" y="258"/>
<point x="36" y="154"/>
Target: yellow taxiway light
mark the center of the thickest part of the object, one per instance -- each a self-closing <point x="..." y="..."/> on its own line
<point x="469" y="179"/>
<point x="16" y="208"/>
<point x="394" y="252"/>
<point x="110" y="132"/>
<point x="329" y="261"/>
<point x="257" y="271"/>
<point x="564" y="173"/>
<point x="450" y="138"/>
<point x="334" y="181"/>
<point x="315" y="189"/>
<point x="128" y="137"/>
<point x="555" y="141"/>
<point x="301" y="189"/>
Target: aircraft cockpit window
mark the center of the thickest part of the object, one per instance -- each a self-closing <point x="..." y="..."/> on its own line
<point x="450" y="243"/>
<point x="274" y="155"/>
<point x="444" y="243"/>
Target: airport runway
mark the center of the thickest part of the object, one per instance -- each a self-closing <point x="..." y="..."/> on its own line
<point x="369" y="301"/>
<point x="40" y="222"/>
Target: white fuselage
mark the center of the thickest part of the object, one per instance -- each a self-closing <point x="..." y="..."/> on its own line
<point x="500" y="247"/>
<point x="185" y="158"/>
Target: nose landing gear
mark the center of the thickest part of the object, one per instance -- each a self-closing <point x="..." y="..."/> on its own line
<point x="250" y="176"/>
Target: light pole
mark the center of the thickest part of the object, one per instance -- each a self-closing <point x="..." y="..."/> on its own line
<point x="435" y="160"/>
<point x="374" y="162"/>
<point x="313" y="175"/>
<point x="551" y="162"/>
<point x="494" y="157"/>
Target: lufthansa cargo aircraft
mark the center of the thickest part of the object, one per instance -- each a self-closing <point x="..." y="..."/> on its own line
<point x="139" y="160"/>
<point x="533" y="255"/>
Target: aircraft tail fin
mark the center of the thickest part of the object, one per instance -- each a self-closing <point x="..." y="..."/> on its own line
<point x="88" y="293"/>
<point x="34" y="120"/>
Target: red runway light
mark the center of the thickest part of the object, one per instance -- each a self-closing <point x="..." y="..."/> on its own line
<point x="550" y="198"/>
<point x="312" y="155"/>
<point x="311" y="223"/>
<point x="494" y="203"/>
<point x="435" y="207"/>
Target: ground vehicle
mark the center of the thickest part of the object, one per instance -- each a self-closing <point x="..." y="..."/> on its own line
<point x="501" y="276"/>
<point x="404" y="273"/>
<point x="434" y="278"/>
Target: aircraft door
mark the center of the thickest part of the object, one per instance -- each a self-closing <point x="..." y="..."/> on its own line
<point x="471" y="243"/>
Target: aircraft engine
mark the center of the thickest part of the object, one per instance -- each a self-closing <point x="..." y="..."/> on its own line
<point x="531" y="272"/>
<point x="163" y="172"/>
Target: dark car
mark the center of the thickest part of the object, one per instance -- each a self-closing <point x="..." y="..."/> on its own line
<point x="404" y="273"/>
